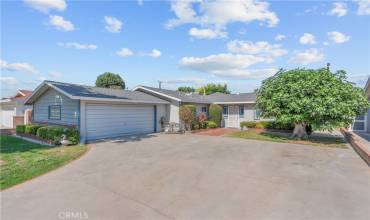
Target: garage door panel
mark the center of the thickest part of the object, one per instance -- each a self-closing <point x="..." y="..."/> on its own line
<point x="105" y="121"/>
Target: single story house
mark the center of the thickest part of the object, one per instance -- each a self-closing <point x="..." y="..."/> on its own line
<point x="12" y="109"/>
<point x="236" y="107"/>
<point x="362" y="122"/>
<point x="104" y="113"/>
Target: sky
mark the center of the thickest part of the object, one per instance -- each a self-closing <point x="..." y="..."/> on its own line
<point x="183" y="43"/>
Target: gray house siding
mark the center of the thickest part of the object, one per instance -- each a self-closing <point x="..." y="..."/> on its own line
<point x="69" y="108"/>
<point x="249" y="115"/>
<point x="368" y="120"/>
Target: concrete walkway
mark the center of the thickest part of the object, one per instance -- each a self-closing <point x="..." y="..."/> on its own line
<point x="198" y="177"/>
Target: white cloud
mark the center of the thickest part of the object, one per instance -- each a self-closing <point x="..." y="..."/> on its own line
<point x="184" y="80"/>
<point x="78" y="46"/>
<point x="112" y="24"/>
<point x="154" y="53"/>
<point x="46" y="5"/>
<point x="307" y="38"/>
<point x="363" y="7"/>
<point x="20" y="67"/>
<point x="339" y="9"/>
<point x="60" y="23"/>
<point x="55" y="74"/>
<point x="260" y="47"/>
<point x="227" y="65"/>
<point x="280" y="37"/>
<point x="218" y="14"/>
<point x="140" y="2"/>
<point x="312" y="55"/>
<point x="206" y="33"/>
<point x="8" y="81"/>
<point x="124" y="52"/>
<point x="337" y="37"/>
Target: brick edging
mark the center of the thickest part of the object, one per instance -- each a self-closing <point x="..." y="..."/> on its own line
<point x="352" y="138"/>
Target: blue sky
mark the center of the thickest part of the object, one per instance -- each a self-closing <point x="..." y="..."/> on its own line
<point x="183" y="43"/>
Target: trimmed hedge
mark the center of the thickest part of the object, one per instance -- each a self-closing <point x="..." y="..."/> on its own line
<point x="32" y="129"/>
<point x="266" y="125"/>
<point x="20" y="129"/>
<point x="211" y="124"/>
<point x="55" y="133"/>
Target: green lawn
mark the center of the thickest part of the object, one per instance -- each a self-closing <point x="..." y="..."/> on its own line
<point x="262" y="135"/>
<point x="21" y="160"/>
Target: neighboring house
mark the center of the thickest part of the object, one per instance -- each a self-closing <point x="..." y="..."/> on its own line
<point x="104" y="113"/>
<point x="362" y="122"/>
<point x="12" y="109"/>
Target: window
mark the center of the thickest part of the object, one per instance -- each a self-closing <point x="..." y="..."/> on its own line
<point x="359" y="124"/>
<point x="54" y="112"/>
<point x="257" y="114"/>
<point x="204" y="109"/>
<point x="241" y="111"/>
<point x="225" y="110"/>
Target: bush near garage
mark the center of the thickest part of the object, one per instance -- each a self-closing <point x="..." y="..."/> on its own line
<point x="54" y="133"/>
<point x="20" y="129"/>
<point x="50" y="133"/>
<point x="32" y="129"/>
<point x="266" y="125"/>
<point x="188" y="115"/>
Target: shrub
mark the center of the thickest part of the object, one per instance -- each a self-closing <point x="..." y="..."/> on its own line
<point x="32" y="129"/>
<point x="266" y="125"/>
<point x="211" y="124"/>
<point x="215" y="113"/>
<point x="73" y="135"/>
<point x="248" y="124"/>
<point x="187" y="115"/>
<point x="195" y="126"/>
<point x="202" y="118"/>
<point x="55" y="133"/>
<point x="42" y="132"/>
<point x="20" y="129"/>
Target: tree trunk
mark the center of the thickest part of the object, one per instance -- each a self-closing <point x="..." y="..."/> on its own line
<point x="299" y="131"/>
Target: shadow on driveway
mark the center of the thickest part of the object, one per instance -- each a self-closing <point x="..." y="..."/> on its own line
<point x="124" y="139"/>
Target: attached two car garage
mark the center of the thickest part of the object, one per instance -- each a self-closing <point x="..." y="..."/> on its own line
<point x="98" y="113"/>
<point x="106" y="121"/>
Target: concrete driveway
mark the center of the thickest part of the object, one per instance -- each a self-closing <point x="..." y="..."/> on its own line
<point x="198" y="177"/>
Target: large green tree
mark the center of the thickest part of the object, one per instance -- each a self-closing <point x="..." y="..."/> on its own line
<point x="311" y="98"/>
<point x="186" y="89"/>
<point x="110" y="80"/>
<point x="213" y="88"/>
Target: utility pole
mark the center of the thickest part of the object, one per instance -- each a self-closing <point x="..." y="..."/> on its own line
<point x="160" y="84"/>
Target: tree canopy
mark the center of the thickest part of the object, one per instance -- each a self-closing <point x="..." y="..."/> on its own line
<point x="186" y="89"/>
<point x="110" y="80"/>
<point x="307" y="97"/>
<point x="213" y="88"/>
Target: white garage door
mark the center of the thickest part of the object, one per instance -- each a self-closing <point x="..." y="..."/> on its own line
<point x="106" y="121"/>
<point x="7" y="118"/>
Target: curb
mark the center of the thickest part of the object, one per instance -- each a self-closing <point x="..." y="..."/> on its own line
<point x="359" y="147"/>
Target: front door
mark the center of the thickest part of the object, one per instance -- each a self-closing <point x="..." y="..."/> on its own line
<point x="233" y="118"/>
